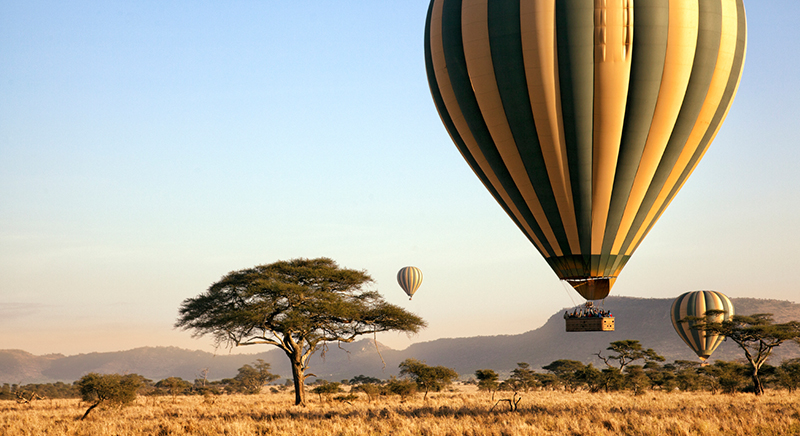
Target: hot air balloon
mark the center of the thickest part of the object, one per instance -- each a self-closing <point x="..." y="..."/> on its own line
<point x="697" y="303"/>
<point x="582" y="118"/>
<point x="409" y="278"/>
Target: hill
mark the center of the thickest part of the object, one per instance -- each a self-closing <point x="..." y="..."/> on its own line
<point x="645" y="320"/>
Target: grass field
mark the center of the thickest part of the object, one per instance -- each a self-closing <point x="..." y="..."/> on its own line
<point x="452" y="413"/>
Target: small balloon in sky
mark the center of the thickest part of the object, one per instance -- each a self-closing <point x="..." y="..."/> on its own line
<point x="409" y="278"/>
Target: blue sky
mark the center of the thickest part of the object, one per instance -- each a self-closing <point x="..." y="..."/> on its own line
<point x="148" y="148"/>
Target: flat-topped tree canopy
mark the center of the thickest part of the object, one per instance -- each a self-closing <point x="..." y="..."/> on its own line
<point x="295" y="305"/>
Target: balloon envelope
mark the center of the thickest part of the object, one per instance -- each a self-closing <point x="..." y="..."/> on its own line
<point x="409" y="278"/>
<point x="584" y="118"/>
<point x="697" y="303"/>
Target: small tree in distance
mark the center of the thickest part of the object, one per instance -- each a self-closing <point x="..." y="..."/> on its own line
<point x="251" y="379"/>
<point x="402" y="387"/>
<point x="487" y="380"/>
<point x="327" y="388"/>
<point x="788" y="374"/>
<point x="567" y="373"/>
<point x="114" y="389"/>
<point x="174" y="386"/>
<point x="297" y="306"/>
<point x="427" y="378"/>
<point x="522" y="378"/>
<point x="628" y="351"/>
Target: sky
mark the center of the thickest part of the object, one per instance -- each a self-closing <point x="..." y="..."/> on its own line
<point x="148" y="148"/>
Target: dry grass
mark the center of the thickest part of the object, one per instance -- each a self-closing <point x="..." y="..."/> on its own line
<point x="463" y="413"/>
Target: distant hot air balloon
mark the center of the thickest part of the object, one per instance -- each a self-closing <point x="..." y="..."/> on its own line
<point x="584" y="118"/>
<point x="697" y="303"/>
<point x="409" y="278"/>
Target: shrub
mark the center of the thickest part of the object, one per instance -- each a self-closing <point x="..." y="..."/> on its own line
<point x="401" y="387"/>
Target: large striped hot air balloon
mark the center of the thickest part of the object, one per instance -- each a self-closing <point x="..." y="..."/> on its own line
<point x="409" y="278"/>
<point x="584" y="118"/>
<point x="697" y="303"/>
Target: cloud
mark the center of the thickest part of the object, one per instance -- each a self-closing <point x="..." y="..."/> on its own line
<point x="11" y="311"/>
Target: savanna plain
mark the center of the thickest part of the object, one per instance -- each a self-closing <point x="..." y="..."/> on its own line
<point x="462" y="412"/>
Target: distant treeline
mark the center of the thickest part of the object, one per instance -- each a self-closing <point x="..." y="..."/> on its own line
<point x="682" y="375"/>
<point x="568" y="375"/>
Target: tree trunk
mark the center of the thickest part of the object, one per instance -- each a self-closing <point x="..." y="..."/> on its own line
<point x="90" y="409"/>
<point x="758" y="387"/>
<point x="299" y="382"/>
<point x="755" y="365"/>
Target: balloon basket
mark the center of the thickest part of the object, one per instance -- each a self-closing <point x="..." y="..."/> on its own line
<point x="604" y="324"/>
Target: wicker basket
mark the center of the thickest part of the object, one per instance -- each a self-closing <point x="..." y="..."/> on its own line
<point x="599" y="324"/>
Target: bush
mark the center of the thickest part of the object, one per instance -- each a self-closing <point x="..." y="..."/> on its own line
<point x="344" y="398"/>
<point x="327" y="388"/>
<point x="362" y="379"/>
<point x="404" y="388"/>
<point x="371" y="389"/>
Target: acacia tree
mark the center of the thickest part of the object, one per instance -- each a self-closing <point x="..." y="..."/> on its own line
<point x="98" y="389"/>
<point x="488" y="380"/>
<point x="251" y="379"/>
<point x="628" y="351"/>
<point x="327" y="389"/>
<point x="788" y="375"/>
<point x="174" y="386"/>
<point x="298" y="306"/>
<point x="522" y="378"/>
<point x="728" y="376"/>
<point x="757" y="335"/>
<point x="567" y="372"/>
<point x="427" y="378"/>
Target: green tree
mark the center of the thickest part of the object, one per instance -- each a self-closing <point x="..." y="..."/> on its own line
<point x="371" y="386"/>
<point x="372" y="390"/>
<point x="592" y="377"/>
<point x="636" y="379"/>
<point x="112" y="389"/>
<point x="788" y="374"/>
<point x="402" y="387"/>
<point x="327" y="388"/>
<point x="567" y="372"/>
<point x="728" y="376"/>
<point x="251" y="378"/>
<point x="427" y="378"/>
<point x="611" y="379"/>
<point x="297" y="306"/>
<point x="627" y="352"/>
<point x="660" y="377"/>
<point x="757" y="335"/>
<point x="548" y="381"/>
<point x="487" y="380"/>
<point x="174" y="386"/>
<point x="686" y="376"/>
<point x="522" y="378"/>
<point x="362" y="379"/>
